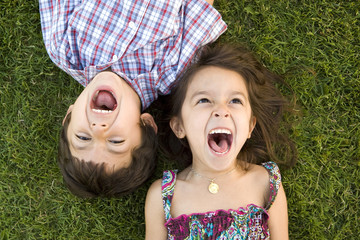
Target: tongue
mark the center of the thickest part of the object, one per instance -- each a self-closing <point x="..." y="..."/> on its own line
<point x="219" y="147"/>
<point x="105" y="100"/>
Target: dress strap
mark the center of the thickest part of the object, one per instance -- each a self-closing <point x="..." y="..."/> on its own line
<point x="167" y="190"/>
<point x="275" y="180"/>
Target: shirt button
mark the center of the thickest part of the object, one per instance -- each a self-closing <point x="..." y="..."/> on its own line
<point x="132" y="25"/>
<point x="114" y="58"/>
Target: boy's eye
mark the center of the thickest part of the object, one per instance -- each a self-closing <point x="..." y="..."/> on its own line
<point x="204" y="100"/>
<point x="116" y="141"/>
<point x="83" y="138"/>
<point x="236" y="101"/>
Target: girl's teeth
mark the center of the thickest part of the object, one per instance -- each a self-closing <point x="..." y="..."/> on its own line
<point x="220" y="131"/>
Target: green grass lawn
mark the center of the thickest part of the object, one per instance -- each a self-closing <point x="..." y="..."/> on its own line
<point x="314" y="44"/>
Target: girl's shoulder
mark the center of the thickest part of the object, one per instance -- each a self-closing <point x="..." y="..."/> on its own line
<point x="167" y="181"/>
<point x="257" y="175"/>
<point x="267" y="178"/>
<point x="266" y="170"/>
<point x="154" y="190"/>
<point x="162" y="187"/>
<point x="274" y="175"/>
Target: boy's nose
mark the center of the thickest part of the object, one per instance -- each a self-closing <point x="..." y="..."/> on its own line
<point x="99" y="126"/>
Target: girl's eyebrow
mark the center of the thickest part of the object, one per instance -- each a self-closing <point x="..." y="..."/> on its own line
<point x="202" y="92"/>
<point x="239" y="93"/>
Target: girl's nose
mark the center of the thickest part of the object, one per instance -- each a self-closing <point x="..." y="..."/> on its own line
<point x="221" y="112"/>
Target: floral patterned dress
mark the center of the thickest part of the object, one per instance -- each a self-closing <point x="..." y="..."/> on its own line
<point x="244" y="223"/>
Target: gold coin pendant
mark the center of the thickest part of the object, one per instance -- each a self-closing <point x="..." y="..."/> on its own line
<point x="213" y="188"/>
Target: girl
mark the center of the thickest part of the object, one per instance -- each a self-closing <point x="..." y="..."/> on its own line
<point x="226" y="113"/>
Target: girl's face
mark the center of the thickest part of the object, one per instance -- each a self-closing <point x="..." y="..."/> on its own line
<point x="216" y="118"/>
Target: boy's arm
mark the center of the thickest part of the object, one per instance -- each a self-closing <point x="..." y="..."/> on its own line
<point x="55" y="16"/>
<point x="154" y="213"/>
<point x="278" y="217"/>
<point x="202" y="19"/>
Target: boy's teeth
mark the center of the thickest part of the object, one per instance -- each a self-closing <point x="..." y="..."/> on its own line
<point x="220" y="131"/>
<point x="101" y="111"/>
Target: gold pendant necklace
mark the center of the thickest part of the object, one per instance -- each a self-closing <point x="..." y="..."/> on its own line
<point x="213" y="187"/>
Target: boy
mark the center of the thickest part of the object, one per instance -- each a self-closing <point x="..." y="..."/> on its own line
<point x="125" y="53"/>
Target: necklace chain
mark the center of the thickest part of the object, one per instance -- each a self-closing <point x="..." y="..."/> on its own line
<point x="213" y="187"/>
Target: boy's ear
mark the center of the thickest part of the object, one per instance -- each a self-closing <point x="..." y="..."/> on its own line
<point x="147" y="119"/>
<point x="252" y="125"/>
<point x="67" y="113"/>
<point x="177" y="127"/>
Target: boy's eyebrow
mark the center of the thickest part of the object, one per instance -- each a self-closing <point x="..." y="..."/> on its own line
<point x="76" y="146"/>
<point x="117" y="152"/>
<point x="82" y="148"/>
<point x="78" y="149"/>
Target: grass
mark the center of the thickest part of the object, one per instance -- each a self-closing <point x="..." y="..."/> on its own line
<point x="314" y="44"/>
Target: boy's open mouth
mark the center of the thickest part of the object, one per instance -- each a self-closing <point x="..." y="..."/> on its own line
<point x="220" y="140"/>
<point x="103" y="101"/>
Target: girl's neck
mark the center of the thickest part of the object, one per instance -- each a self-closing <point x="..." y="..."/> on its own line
<point x="211" y="173"/>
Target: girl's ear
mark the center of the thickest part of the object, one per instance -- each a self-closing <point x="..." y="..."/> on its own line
<point x="252" y="125"/>
<point x="67" y="113"/>
<point x="176" y="126"/>
<point x="147" y="119"/>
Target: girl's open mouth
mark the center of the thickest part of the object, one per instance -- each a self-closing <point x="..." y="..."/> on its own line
<point x="220" y="140"/>
<point x="103" y="101"/>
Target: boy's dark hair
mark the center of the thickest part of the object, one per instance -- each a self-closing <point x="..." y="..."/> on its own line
<point x="269" y="140"/>
<point x="88" y="180"/>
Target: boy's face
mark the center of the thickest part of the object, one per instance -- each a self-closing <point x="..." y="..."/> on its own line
<point x="105" y="122"/>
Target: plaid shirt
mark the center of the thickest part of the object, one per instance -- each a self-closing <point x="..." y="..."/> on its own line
<point x="146" y="42"/>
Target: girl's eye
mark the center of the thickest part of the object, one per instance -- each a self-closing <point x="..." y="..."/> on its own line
<point x="236" y="101"/>
<point x="116" y="141"/>
<point x="204" y="100"/>
<point x="83" y="138"/>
